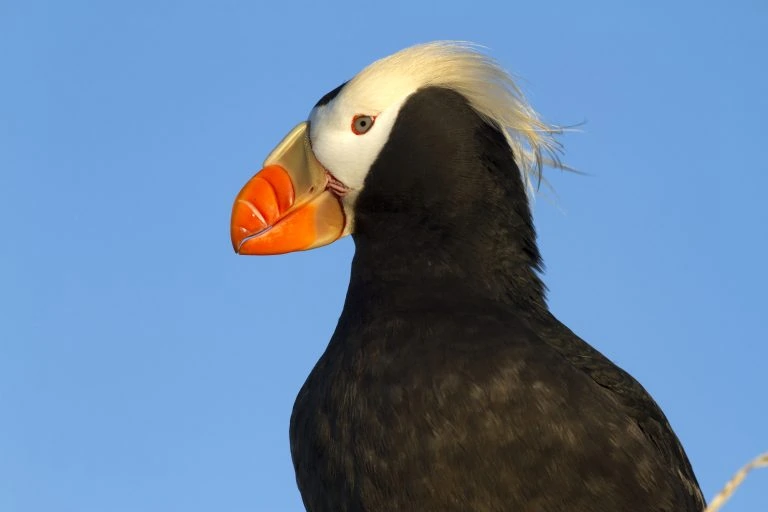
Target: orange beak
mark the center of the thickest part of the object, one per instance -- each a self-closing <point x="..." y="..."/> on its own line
<point x="287" y="206"/>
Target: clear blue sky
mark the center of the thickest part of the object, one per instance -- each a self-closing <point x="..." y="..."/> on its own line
<point x="145" y="367"/>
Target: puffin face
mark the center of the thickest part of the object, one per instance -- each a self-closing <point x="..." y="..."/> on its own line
<point x="305" y="194"/>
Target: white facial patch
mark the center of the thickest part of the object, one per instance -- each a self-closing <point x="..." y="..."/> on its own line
<point x="381" y="89"/>
<point x="345" y="154"/>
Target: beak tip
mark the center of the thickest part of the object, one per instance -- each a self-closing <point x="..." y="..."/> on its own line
<point x="237" y="244"/>
<point x="236" y="236"/>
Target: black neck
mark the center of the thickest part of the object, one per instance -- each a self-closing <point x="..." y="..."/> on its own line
<point x="444" y="213"/>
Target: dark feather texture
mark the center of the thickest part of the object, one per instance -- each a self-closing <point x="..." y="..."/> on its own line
<point x="448" y="385"/>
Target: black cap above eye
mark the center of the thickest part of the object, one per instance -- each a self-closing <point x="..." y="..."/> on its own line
<point x="330" y="95"/>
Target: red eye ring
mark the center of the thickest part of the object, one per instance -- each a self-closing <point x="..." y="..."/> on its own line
<point x="361" y="123"/>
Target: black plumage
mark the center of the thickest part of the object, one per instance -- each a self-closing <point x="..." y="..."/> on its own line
<point x="448" y="385"/>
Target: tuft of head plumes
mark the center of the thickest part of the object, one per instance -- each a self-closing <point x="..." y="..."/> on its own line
<point x="490" y="90"/>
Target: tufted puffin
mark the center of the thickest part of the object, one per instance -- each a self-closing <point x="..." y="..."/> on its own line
<point x="448" y="385"/>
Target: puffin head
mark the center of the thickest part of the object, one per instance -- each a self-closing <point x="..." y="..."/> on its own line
<point x="307" y="193"/>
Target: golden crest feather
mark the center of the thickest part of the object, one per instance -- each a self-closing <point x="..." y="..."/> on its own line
<point x="490" y="90"/>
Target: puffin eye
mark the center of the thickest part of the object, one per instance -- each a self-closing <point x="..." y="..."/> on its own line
<point x="361" y="124"/>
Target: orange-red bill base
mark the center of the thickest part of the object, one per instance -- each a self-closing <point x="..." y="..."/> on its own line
<point x="267" y="218"/>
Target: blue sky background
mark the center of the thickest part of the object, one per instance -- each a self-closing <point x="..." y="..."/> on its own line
<point x="144" y="367"/>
